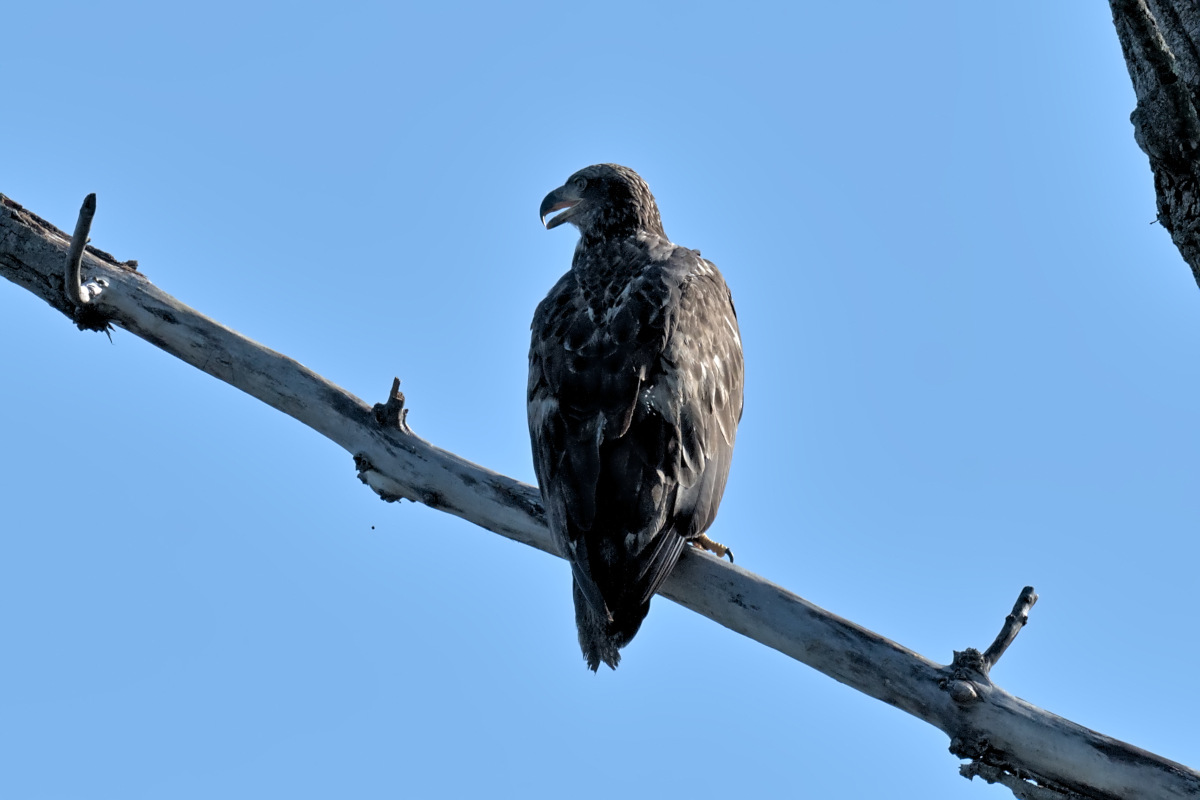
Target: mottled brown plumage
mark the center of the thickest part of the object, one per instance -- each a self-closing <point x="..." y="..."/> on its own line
<point x="635" y="393"/>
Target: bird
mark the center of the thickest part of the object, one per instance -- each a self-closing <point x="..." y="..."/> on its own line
<point x="634" y="398"/>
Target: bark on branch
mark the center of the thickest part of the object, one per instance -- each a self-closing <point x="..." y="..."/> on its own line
<point x="1035" y="753"/>
<point x="1159" y="42"/>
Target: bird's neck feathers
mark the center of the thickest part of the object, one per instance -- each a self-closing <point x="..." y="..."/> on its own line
<point x="618" y="239"/>
<point x="629" y="213"/>
<point x="603" y="260"/>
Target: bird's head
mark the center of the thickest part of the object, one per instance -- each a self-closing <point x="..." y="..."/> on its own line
<point x="604" y="200"/>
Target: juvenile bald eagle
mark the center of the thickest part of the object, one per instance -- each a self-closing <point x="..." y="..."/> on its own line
<point x="635" y="393"/>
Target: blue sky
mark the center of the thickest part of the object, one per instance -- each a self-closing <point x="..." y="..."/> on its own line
<point x="971" y="365"/>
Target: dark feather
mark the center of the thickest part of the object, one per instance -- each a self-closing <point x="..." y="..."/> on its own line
<point x="635" y="392"/>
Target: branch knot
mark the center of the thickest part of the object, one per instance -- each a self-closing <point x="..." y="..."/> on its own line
<point x="393" y="414"/>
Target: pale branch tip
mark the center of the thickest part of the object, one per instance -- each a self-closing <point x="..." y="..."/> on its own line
<point x="982" y="721"/>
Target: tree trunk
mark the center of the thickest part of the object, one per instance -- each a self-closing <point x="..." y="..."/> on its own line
<point x="1159" y="41"/>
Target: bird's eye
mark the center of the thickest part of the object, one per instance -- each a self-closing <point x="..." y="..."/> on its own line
<point x="579" y="182"/>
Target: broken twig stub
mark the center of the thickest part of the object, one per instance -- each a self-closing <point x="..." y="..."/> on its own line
<point x="393" y="414"/>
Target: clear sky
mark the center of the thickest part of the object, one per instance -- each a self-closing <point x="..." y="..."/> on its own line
<point x="971" y="365"/>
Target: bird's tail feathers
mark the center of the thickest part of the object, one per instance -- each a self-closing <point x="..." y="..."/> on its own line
<point x="601" y="634"/>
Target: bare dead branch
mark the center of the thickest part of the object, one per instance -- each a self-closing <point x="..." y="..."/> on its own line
<point x="1021" y="788"/>
<point x="83" y="227"/>
<point x="1013" y="624"/>
<point x="87" y="315"/>
<point x="985" y="723"/>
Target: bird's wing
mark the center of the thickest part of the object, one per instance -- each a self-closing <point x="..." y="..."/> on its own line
<point x="585" y="375"/>
<point x="694" y="405"/>
<point x="633" y="422"/>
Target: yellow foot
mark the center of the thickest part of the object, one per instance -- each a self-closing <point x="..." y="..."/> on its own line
<point x="702" y="542"/>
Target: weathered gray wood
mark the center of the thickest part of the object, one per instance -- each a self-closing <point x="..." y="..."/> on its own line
<point x="74" y="267"/>
<point x="984" y="722"/>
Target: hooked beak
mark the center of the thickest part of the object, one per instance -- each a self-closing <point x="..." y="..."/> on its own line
<point x="562" y="197"/>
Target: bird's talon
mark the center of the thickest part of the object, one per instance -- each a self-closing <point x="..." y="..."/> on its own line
<point x="702" y="542"/>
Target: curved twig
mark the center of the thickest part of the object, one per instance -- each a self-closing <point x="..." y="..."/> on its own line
<point x="1013" y="624"/>
<point x="74" y="275"/>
